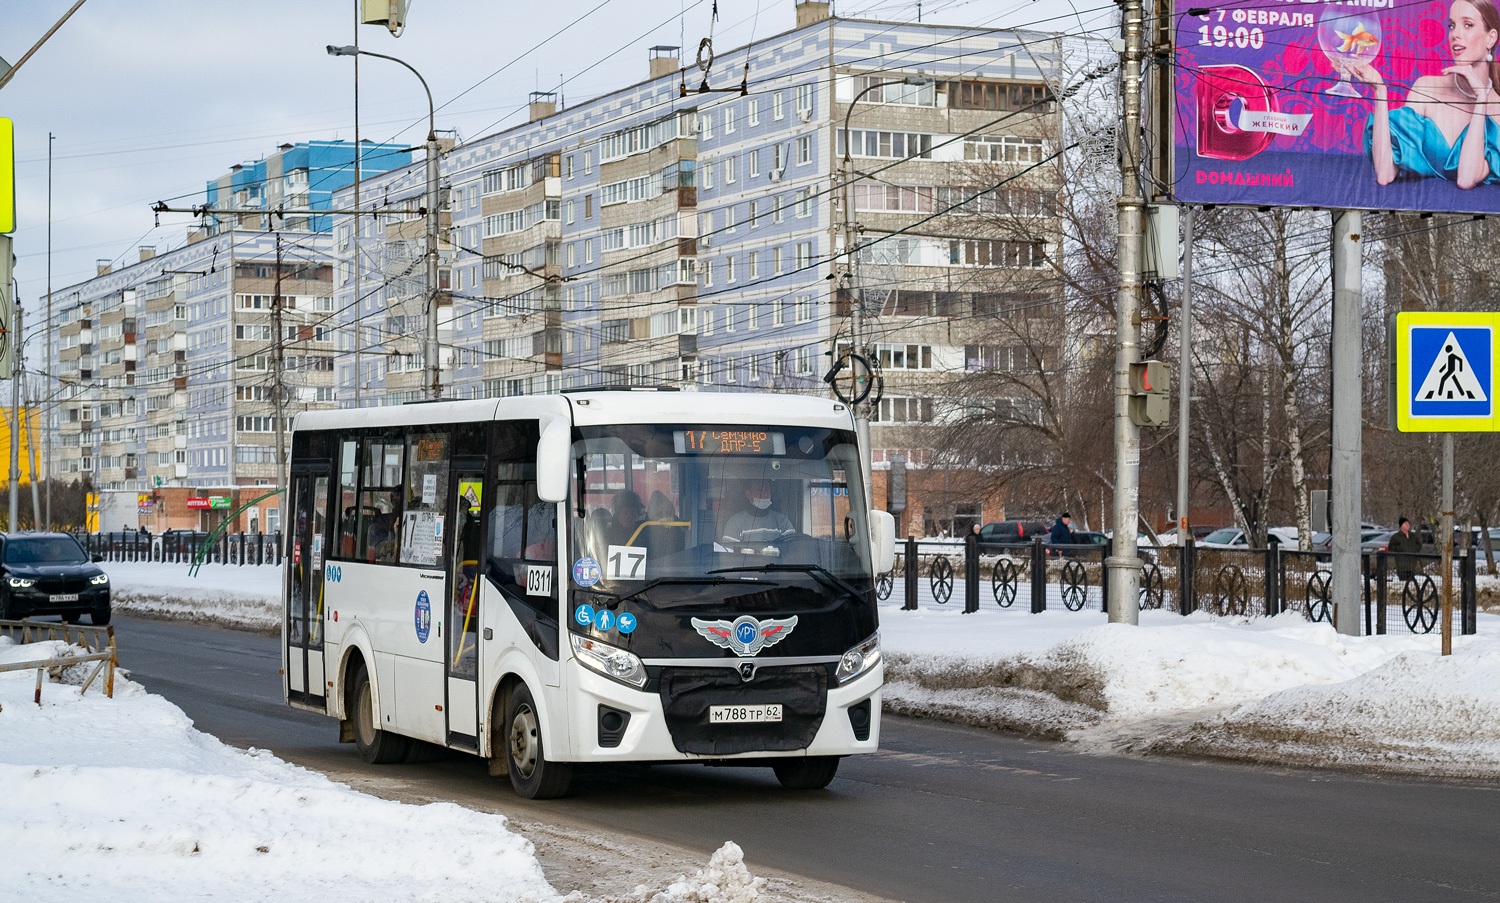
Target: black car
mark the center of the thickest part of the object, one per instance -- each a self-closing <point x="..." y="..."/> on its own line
<point x="50" y="574"/>
<point x="1012" y="531"/>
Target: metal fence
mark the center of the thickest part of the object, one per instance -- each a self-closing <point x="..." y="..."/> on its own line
<point x="1401" y="592"/>
<point x="98" y="644"/>
<point x="228" y="548"/>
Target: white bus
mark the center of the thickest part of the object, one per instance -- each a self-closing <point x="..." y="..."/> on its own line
<point x="606" y="576"/>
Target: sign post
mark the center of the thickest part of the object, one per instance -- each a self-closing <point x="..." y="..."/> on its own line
<point x="1444" y="381"/>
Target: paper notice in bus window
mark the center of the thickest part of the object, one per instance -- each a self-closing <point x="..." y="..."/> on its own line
<point x="429" y="488"/>
<point x="419" y="538"/>
<point x="317" y="552"/>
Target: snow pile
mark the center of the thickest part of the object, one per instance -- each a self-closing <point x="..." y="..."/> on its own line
<point x="724" y="880"/>
<point x="234" y="596"/>
<point x="1304" y="692"/>
<point x="1418" y="711"/>
<point x="124" y="800"/>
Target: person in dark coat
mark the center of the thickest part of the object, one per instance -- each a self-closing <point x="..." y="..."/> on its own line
<point x="1404" y="541"/>
<point x="1062" y="531"/>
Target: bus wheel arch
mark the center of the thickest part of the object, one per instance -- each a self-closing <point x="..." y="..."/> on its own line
<point x="518" y="739"/>
<point x="495" y="726"/>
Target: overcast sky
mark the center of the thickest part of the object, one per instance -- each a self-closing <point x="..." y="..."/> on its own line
<point x="148" y="99"/>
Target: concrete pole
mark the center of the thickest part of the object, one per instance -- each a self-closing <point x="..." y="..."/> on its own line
<point x="1184" y="380"/>
<point x="1124" y="566"/>
<point x="48" y="389"/>
<point x="359" y="362"/>
<point x="434" y="370"/>
<point x="1346" y="476"/>
<point x="1447" y="543"/>
<point x="15" y="411"/>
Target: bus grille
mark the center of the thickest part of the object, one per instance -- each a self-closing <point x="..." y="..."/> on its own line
<point x="687" y="693"/>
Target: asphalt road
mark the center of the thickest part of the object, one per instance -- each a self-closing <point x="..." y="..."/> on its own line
<point x="943" y="813"/>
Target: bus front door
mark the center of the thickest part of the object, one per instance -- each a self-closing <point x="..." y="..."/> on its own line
<point x="304" y="633"/>
<point x="464" y="513"/>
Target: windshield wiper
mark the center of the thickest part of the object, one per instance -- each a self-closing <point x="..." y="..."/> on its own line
<point x="816" y="571"/>
<point x="651" y="584"/>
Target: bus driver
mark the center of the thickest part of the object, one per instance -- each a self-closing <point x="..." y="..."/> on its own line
<point x="758" y="522"/>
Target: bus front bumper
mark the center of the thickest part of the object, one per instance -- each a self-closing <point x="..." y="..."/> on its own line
<point x="850" y="711"/>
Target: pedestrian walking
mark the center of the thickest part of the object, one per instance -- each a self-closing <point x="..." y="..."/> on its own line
<point x="1062" y="531"/>
<point x="1403" y="544"/>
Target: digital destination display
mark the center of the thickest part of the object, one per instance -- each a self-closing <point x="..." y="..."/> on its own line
<point x="728" y="442"/>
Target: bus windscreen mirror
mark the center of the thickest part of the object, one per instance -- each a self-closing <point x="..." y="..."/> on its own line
<point x="552" y="460"/>
<point x="728" y="442"/>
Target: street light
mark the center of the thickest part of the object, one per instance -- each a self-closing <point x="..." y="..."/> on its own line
<point x="434" y="382"/>
<point x="861" y="415"/>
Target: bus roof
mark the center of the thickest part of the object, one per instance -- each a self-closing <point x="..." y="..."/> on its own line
<point x="589" y="408"/>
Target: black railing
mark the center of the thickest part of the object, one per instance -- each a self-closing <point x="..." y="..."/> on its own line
<point x="181" y="548"/>
<point x="1401" y="592"/>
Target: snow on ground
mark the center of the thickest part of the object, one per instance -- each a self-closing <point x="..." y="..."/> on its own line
<point x="1202" y="685"/>
<point x="245" y="597"/>
<point x="122" y="799"/>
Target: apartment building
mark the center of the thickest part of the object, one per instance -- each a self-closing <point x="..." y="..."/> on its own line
<point x="661" y="235"/>
<point x="167" y="370"/>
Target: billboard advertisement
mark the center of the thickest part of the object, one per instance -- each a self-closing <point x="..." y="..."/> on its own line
<point x="1379" y="105"/>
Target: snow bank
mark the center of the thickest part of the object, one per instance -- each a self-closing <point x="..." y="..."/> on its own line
<point x="1277" y="689"/>
<point x="122" y="798"/>
<point x="724" y="880"/>
<point x="247" y="597"/>
<point x="1417" y="712"/>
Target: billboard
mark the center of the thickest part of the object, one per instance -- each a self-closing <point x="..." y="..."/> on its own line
<point x="1364" y="105"/>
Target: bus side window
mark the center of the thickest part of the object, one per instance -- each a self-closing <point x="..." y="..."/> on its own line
<point x="348" y="525"/>
<point x="380" y="499"/>
<point x="522" y="528"/>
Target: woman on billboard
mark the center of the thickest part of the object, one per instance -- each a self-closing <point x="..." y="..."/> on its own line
<point x="1447" y="129"/>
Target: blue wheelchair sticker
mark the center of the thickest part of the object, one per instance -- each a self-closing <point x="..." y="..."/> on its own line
<point x="584" y="615"/>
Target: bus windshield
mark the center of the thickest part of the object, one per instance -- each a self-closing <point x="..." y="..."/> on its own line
<point x="661" y="508"/>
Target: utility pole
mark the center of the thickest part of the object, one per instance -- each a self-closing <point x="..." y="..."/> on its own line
<point x="15" y="409"/>
<point x="434" y="370"/>
<point x="1447" y="527"/>
<point x="1184" y="380"/>
<point x="359" y="344"/>
<point x="856" y="320"/>
<point x="278" y="389"/>
<point x="1346" y="581"/>
<point x="1124" y="566"/>
<point x="47" y="427"/>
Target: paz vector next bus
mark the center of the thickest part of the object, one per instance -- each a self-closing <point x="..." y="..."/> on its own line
<point x="608" y="576"/>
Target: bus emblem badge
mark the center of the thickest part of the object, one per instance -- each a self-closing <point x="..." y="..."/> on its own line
<point x="745" y="635"/>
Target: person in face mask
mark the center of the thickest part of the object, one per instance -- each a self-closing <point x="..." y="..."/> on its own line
<point x="759" y="522"/>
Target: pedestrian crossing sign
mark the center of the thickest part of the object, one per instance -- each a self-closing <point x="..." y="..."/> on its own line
<point x="1445" y="372"/>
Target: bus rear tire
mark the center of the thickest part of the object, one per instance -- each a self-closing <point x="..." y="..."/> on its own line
<point x="811" y="773"/>
<point x="531" y="774"/>
<point x="375" y="746"/>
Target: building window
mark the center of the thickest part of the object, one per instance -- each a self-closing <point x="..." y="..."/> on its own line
<point x="568" y="217"/>
<point x="805" y="305"/>
<point x="752" y="265"/>
<point x="778" y="158"/>
<point x="728" y="269"/>
<point x="1003" y="149"/>
<point x="804" y="202"/>
<point x="777" y="103"/>
<point x="804" y="149"/>
<point x="804" y="360"/>
<point x="804" y="254"/>
<point x="755" y="214"/>
<point x="571" y="249"/>
<point x="728" y="219"/>
<point x="588" y="206"/>
<point x="729" y="316"/>
<point x="588" y="251"/>
<point x="588" y="162"/>
<point x="568" y="167"/>
<point x="707" y="320"/>
<point x="706" y="125"/>
<point x="897" y="145"/>
<point x="708" y="173"/>
<point x="776" y="215"/>
<point x="752" y="111"/>
<point x="804" y="100"/>
<point x="708" y="273"/>
<point x="729" y="167"/>
<point x="753" y="167"/>
<point x="776" y="261"/>
<point x="752" y="319"/>
<point x="729" y="121"/>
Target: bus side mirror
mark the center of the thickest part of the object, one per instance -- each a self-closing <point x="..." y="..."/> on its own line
<point x="882" y="540"/>
<point x="552" y="459"/>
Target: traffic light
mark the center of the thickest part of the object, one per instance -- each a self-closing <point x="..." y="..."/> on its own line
<point x="1150" y="388"/>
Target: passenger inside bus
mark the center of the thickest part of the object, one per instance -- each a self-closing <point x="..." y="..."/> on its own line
<point x="630" y="513"/>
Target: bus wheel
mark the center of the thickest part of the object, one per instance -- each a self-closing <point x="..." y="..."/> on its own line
<point x="531" y="774"/>
<point x="811" y="773"/>
<point x="375" y="746"/>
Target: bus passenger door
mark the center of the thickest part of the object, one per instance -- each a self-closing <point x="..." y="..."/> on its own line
<point x="304" y="654"/>
<point x="465" y="497"/>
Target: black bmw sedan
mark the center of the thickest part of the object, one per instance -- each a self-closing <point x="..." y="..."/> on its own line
<point x="50" y="574"/>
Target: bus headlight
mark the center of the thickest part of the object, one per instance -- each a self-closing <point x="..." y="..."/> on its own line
<point x="99" y="579"/>
<point x="611" y="661"/>
<point x="19" y="582"/>
<point x="859" y="659"/>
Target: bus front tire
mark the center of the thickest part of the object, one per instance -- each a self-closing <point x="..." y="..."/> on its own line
<point x="375" y="746"/>
<point x="531" y="774"/>
<point x="811" y="773"/>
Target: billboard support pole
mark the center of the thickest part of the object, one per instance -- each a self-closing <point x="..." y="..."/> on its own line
<point x="1346" y="403"/>
<point x="1447" y="543"/>
<point x="1184" y="378"/>
<point x="1124" y="567"/>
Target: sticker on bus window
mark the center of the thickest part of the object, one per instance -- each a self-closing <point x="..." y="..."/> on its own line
<point x="626" y="563"/>
<point x="584" y="615"/>
<point x="586" y="571"/>
<point x="627" y="623"/>
<point x="604" y="619"/>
